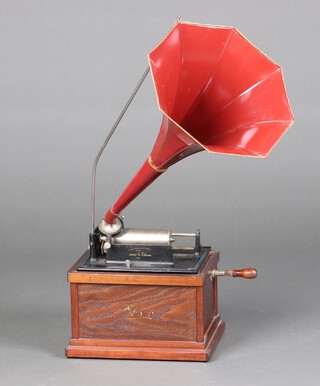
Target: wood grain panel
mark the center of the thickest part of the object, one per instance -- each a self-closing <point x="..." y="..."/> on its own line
<point x="74" y="310"/>
<point x="137" y="312"/>
<point x="209" y="311"/>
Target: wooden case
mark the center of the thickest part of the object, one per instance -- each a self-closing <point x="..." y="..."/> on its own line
<point x="144" y="315"/>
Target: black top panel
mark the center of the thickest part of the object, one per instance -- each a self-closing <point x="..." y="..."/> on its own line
<point x="183" y="262"/>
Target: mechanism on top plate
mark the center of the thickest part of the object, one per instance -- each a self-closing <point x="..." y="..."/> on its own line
<point x="113" y="247"/>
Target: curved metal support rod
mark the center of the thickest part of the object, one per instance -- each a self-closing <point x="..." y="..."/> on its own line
<point x="94" y="169"/>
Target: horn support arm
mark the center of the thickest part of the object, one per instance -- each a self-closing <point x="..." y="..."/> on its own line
<point x="94" y="168"/>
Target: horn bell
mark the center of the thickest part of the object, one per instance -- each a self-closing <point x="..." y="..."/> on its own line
<point x="217" y="92"/>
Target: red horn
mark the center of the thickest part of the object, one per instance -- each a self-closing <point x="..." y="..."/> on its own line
<point x="218" y="93"/>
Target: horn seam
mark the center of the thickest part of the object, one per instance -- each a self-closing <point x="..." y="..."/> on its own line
<point x="114" y="213"/>
<point x="247" y="124"/>
<point x="213" y="70"/>
<point x="154" y="167"/>
<point x="256" y="85"/>
<point x="261" y="81"/>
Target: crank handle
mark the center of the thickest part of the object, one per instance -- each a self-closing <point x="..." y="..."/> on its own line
<point x="246" y="273"/>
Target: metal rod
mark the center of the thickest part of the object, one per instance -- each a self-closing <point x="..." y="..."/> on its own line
<point x="184" y="234"/>
<point x="94" y="169"/>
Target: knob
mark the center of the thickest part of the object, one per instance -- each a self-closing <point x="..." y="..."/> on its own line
<point x="246" y="273"/>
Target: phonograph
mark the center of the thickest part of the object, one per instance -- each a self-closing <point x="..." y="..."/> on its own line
<point x="135" y="293"/>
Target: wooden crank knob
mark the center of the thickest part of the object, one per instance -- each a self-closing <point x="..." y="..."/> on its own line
<point x="246" y="273"/>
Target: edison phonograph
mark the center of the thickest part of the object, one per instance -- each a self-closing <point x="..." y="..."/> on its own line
<point x="136" y="293"/>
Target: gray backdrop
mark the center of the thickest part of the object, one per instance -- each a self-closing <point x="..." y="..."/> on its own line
<point x="66" y="69"/>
